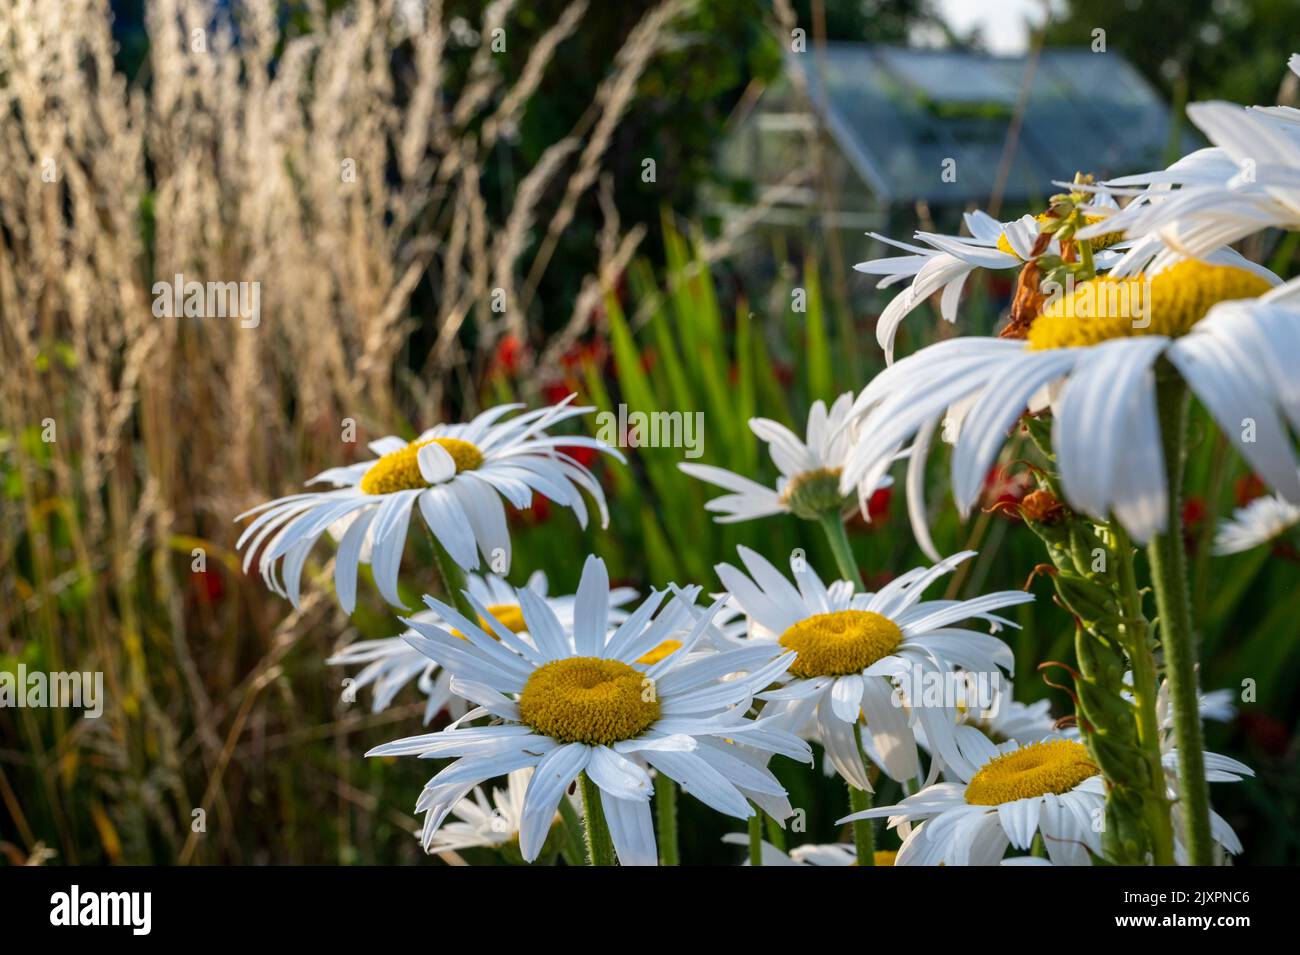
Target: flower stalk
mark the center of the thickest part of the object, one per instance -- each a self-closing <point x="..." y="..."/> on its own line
<point x="864" y="836"/>
<point x="1095" y="581"/>
<point x="1177" y="635"/>
<point x="600" y="846"/>
<point x="666" y="820"/>
<point x="838" y="538"/>
<point x="452" y="577"/>
<point x="1145" y="689"/>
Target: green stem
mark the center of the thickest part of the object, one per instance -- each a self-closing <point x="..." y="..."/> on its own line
<point x="864" y="840"/>
<point x="1169" y="575"/>
<point x="1089" y="269"/>
<point x="775" y="834"/>
<point x="864" y="836"/>
<point x="574" y="852"/>
<point x="666" y="816"/>
<point x="756" y="837"/>
<point x="839" y="541"/>
<point x="1145" y="689"/>
<point x="453" y="580"/>
<point x="600" y="847"/>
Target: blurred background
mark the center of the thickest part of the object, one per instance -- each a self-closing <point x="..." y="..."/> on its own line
<point x="448" y="205"/>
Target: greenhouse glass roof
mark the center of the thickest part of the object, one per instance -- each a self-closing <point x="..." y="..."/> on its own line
<point x="897" y="114"/>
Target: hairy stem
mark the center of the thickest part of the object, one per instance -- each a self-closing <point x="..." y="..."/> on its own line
<point x="666" y="818"/>
<point x="600" y="847"/>
<point x="864" y="836"/>
<point x="1145" y="689"/>
<point x="1169" y="576"/>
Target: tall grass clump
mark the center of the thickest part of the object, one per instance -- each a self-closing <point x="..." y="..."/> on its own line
<point x="336" y="161"/>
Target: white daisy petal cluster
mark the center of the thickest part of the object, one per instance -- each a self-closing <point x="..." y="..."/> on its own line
<point x="457" y="475"/>
<point x="390" y="663"/>
<point x="1262" y="521"/>
<point x="856" y="653"/>
<point x="579" y="701"/>
<point x="825" y="854"/>
<point x="1106" y="434"/>
<point x="1045" y="793"/>
<point x="1249" y="180"/>
<point x="809" y="467"/>
<point x="1017" y="792"/>
<point x="944" y="263"/>
<point x="480" y="821"/>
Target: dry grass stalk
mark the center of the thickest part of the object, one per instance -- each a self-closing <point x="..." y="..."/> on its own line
<point x="337" y="171"/>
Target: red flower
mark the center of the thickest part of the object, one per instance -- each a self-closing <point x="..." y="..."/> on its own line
<point x="208" y="586"/>
<point x="877" y="511"/>
<point x="878" y="503"/>
<point x="1267" y="732"/>
<point x="508" y="352"/>
<point x="1194" y="515"/>
<point x="1004" y="488"/>
<point x="593" y="351"/>
<point x="583" y="455"/>
<point x="539" y="513"/>
<point x="557" y="391"/>
<point x="1246" y="488"/>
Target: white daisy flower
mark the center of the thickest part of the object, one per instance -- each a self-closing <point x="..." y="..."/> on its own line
<point x="1262" y="520"/>
<point x="483" y="822"/>
<point x="851" y="648"/>
<point x="950" y="259"/>
<point x="391" y="662"/>
<point x="1018" y="790"/>
<point x="1245" y="183"/>
<point x="837" y="854"/>
<point x="1098" y="375"/>
<point x="579" y="702"/>
<point x="810" y="470"/>
<point x="824" y="854"/>
<point x="457" y="474"/>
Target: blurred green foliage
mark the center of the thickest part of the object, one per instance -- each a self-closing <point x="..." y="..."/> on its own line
<point x="1192" y="49"/>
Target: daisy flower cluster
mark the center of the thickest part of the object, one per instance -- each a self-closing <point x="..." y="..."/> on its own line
<point x="598" y="708"/>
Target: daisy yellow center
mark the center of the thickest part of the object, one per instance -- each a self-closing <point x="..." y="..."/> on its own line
<point x="400" y="470"/>
<point x="840" y="643"/>
<point x="664" y="649"/>
<point x="508" y="615"/>
<point x="1055" y="766"/>
<point x="1169" y="304"/>
<point x="588" y="700"/>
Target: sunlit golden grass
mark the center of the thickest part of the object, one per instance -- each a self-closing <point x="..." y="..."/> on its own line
<point x="336" y="168"/>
